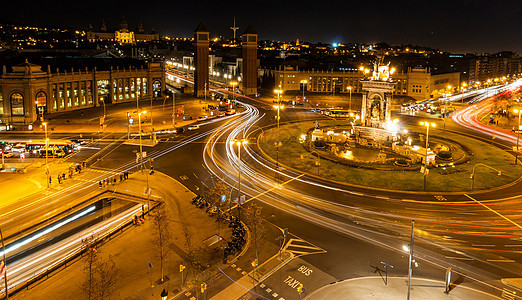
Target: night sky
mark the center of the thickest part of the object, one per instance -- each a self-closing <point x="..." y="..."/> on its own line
<point x="455" y="26"/>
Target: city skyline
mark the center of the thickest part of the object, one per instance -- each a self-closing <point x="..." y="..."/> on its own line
<point x="461" y="27"/>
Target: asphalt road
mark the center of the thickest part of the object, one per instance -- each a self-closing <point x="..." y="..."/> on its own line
<point x="358" y="228"/>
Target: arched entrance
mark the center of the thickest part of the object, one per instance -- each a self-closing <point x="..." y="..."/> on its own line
<point x="41" y="103"/>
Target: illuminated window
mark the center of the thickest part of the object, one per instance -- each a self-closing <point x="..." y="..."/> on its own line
<point x="17" y="104"/>
<point x="1" y="104"/>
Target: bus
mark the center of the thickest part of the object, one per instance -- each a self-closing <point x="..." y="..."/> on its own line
<point x="341" y="113"/>
<point x="51" y="152"/>
<point x="66" y="146"/>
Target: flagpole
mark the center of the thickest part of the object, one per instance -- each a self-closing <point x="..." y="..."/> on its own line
<point x="5" y="265"/>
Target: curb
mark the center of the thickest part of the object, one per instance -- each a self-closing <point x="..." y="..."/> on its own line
<point x="263" y="153"/>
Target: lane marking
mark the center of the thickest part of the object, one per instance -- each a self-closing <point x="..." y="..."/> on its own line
<point x="494" y="211"/>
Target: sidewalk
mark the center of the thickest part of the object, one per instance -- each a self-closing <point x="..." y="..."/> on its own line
<point x="397" y="288"/>
<point x="88" y="120"/>
<point x="133" y="251"/>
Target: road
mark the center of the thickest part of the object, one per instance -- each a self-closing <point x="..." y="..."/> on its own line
<point x="357" y="227"/>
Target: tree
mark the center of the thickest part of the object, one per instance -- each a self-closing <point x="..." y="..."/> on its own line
<point x="257" y="226"/>
<point x="101" y="280"/>
<point x="162" y="236"/>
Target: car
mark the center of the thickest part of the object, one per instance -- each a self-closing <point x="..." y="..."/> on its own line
<point x="7" y="154"/>
<point x="231" y="112"/>
<point x="221" y="114"/>
<point x="179" y="130"/>
<point x="18" y="148"/>
<point x="193" y="127"/>
<point x="202" y="118"/>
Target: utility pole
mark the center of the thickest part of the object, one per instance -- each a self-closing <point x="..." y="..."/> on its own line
<point x="411" y="258"/>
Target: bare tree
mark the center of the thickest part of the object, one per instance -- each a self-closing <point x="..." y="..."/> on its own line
<point x="257" y="226"/>
<point x="101" y="275"/>
<point x="161" y="222"/>
<point x="91" y="262"/>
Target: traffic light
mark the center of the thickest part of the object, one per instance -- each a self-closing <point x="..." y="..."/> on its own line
<point x="203" y="287"/>
<point x="471" y="176"/>
<point x="254" y="263"/>
<point x="181" y="268"/>
<point x="300" y="288"/>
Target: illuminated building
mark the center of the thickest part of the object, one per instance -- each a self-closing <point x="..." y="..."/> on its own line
<point x="28" y="91"/>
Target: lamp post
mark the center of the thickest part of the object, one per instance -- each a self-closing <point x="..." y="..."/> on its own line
<point x="239" y="143"/>
<point x="428" y="125"/>
<point x="350" y="89"/>
<point x="174" y="110"/>
<point x="303" y="82"/>
<point x="472" y="176"/>
<point x="141" y="146"/>
<point x="517" y="111"/>
<point x="233" y="84"/>
<point x="46" y="154"/>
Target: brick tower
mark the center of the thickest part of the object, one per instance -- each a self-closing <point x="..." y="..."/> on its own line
<point x="201" y="44"/>
<point x="249" y="46"/>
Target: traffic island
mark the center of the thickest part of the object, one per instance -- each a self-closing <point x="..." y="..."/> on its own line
<point x="451" y="171"/>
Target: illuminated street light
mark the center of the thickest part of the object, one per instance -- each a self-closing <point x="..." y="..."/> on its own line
<point x="239" y="143"/>
<point x="428" y="125"/>
<point x="303" y="82"/>
<point x="233" y="84"/>
<point x="350" y="103"/>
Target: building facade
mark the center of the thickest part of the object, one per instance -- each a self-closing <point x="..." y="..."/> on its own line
<point x="123" y="35"/>
<point x="417" y="83"/>
<point x="493" y="66"/>
<point x="28" y="91"/>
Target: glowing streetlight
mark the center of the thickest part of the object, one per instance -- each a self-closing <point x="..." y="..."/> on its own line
<point x="233" y="84"/>
<point x="428" y="125"/>
<point x="303" y="82"/>
<point x="350" y="89"/>
<point x="238" y="143"/>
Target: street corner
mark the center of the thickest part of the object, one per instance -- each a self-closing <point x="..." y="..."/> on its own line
<point x="296" y="279"/>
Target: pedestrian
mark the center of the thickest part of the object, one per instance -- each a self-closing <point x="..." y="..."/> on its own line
<point x="83" y="163"/>
<point x="59" y="179"/>
<point x="63" y="176"/>
<point x="50" y="180"/>
<point x="114" y="180"/>
<point x="121" y="177"/>
<point x="100" y="184"/>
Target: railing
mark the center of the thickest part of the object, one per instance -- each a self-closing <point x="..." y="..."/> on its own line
<point x="76" y="255"/>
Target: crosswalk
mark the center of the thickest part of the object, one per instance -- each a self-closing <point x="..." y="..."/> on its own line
<point x="300" y="247"/>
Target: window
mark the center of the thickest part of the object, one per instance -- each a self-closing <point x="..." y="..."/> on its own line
<point x="17" y="104"/>
<point x="103" y="87"/>
<point x="1" y="104"/>
<point x="41" y="99"/>
<point x="144" y="86"/>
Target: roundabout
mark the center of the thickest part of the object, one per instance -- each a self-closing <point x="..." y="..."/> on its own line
<point x="351" y="164"/>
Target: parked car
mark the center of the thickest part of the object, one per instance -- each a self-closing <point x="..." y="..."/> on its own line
<point x="193" y="127"/>
<point x="202" y="118"/>
<point x="221" y="114"/>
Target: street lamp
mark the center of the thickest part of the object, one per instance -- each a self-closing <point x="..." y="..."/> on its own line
<point x="239" y="143"/>
<point x="517" y="111"/>
<point x="46" y="154"/>
<point x="350" y="89"/>
<point x="472" y="176"/>
<point x="428" y="125"/>
<point x="141" y="146"/>
<point x="233" y="84"/>
<point x="303" y="82"/>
